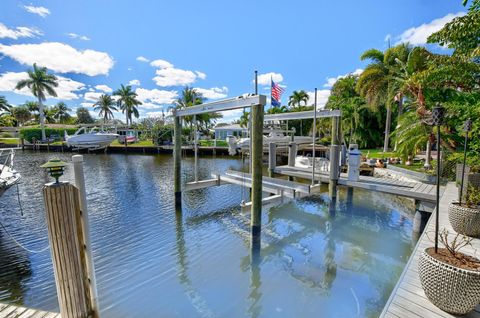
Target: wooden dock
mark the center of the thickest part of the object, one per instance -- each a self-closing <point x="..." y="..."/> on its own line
<point x="415" y="190"/>
<point x="12" y="311"/>
<point x="408" y="299"/>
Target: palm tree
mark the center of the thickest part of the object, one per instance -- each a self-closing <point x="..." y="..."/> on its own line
<point x="105" y="107"/>
<point x="40" y="82"/>
<point x="127" y="102"/>
<point x="4" y="106"/>
<point x="379" y="83"/>
<point x="61" y="112"/>
<point x="32" y="106"/>
<point x="297" y="98"/>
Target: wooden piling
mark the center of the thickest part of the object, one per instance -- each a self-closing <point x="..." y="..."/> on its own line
<point x="62" y="205"/>
<point x="177" y="163"/>
<point x="334" y="157"/>
<point x="272" y="159"/>
<point x="292" y="154"/>
<point x="256" y="157"/>
<point x="85" y="223"/>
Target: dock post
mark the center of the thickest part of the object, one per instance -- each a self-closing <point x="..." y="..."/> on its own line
<point x="256" y="157"/>
<point x="177" y="163"/>
<point x="334" y="158"/>
<point x="23" y="144"/>
<point x="272" y="159"/>
<point x="292" y="154"/>
<point x="62" y="206"/>
<point x="85" y="223"/>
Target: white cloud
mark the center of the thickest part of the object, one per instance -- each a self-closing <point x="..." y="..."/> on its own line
<point x="78" y="36"/>
<point x="155" y="98"/>
<point x="66" y="87"/>
<point x="18" y="32"/>
<point x="322" y="97"/>
<point x="104" y="88"/>
<point x="418" y="35"/>
<point x="213" y="93"/>
<point x="201" y="75"/>
<point x="332" y="80"/>
<point x="87" y="105"/>
<point x="158" y="114"/>
<point x="134" y="82"/>
<point x="174" y="77"/>
<point x="168" y="75"/>
<point x="143" y="59"/>
<point x="92" y="96"/>
<point x="161" y="64"/>
<point x="41" y="11"/>
<point x="60" y="57"/>
<point x="265" y="79"/>
<point x="230" y="115"/>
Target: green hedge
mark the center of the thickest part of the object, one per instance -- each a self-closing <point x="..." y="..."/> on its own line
<point x="29" y="133"/>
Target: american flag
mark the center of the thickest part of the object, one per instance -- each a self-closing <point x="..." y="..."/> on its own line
<point x="277" y="92"/>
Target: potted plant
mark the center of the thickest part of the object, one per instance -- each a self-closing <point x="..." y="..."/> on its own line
<point x="465" y="216"/>
<point x="451" y="279"/>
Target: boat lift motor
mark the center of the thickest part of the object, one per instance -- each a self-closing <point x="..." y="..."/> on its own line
<point x="354" y="161"/>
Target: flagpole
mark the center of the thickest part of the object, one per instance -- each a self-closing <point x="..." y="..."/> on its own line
<point x="314" y="136"/>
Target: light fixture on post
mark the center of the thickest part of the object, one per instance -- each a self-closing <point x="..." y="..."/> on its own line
<point x="437" y="119"/>
<point x="55" y="168"/>
<point x="467" y="127"/>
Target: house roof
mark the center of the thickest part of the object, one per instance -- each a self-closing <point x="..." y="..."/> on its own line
<point x="231" y="127"/>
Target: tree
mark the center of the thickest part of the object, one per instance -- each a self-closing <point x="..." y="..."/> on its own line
<point x="379" y="83"/>
<point x="4" y="106"/>
<point x="105" y="107"/>
<point x="40" y="82"/>
<point x="60" y="112"/>
<point x="277" y="110"/>
<point x="297" y="97"/>
<point x="462" y="33"/>
<point x="21" y="114"/>
<point x="83" y="116"/>
<point x="32" y="106"/>
<point x="343" y="96"/>
<point x="127" y="102"/>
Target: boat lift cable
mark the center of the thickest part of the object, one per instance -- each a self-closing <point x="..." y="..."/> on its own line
<point x="19" y="202"/>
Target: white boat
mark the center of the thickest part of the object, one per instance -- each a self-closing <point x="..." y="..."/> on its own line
<point x="241" y="144"/>
<point x="321" y="164"/>
<point x="8" y="175"/>
<point x="92" y="139"/>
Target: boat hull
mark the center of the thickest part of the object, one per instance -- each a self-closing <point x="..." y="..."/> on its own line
<point x="96" y="140"/>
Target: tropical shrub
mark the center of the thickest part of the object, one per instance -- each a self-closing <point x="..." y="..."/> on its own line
<point x="30" y="133"/>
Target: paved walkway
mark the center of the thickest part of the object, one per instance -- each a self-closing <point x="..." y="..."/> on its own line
<point x="408" y="299"/>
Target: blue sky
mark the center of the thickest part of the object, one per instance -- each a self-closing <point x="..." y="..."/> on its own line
<point x="215" y="46"/>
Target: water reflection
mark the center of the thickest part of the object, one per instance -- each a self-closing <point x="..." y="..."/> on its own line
<point x="16" y="269"/>
<point x="338" y="257"/>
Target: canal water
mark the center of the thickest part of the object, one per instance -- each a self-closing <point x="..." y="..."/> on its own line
<point x="318" y="258"/>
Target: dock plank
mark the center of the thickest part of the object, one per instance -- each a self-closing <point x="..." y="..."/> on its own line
<point x="14" y="311"/>
<point x="408" y="297"/>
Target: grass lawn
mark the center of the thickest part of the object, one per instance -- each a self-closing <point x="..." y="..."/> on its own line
<point x="377" y="153"/>
<point x="210" y="143"/>
<point x="10" y="141"/>
<point x="141" y="143"/>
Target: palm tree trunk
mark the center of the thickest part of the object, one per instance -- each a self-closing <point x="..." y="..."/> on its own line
<point x="388" y="123"/>
<point x="42" y="118"/>
<point x="428" y="159"/>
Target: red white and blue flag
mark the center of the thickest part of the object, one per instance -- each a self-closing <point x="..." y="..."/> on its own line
<point x="277" y="92"/>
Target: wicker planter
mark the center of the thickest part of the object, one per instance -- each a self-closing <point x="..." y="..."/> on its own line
<point x="452" y="289"/>
<point x="464" y="220"/>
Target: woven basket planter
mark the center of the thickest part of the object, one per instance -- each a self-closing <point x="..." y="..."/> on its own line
<point x="452" y="289"/>
<point x="464" y="220"/>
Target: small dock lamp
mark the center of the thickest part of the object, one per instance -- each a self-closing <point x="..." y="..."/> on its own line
<point x="467" y="127"/>
<point x="55" y="168"/>
<point x="437" y="119"/>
